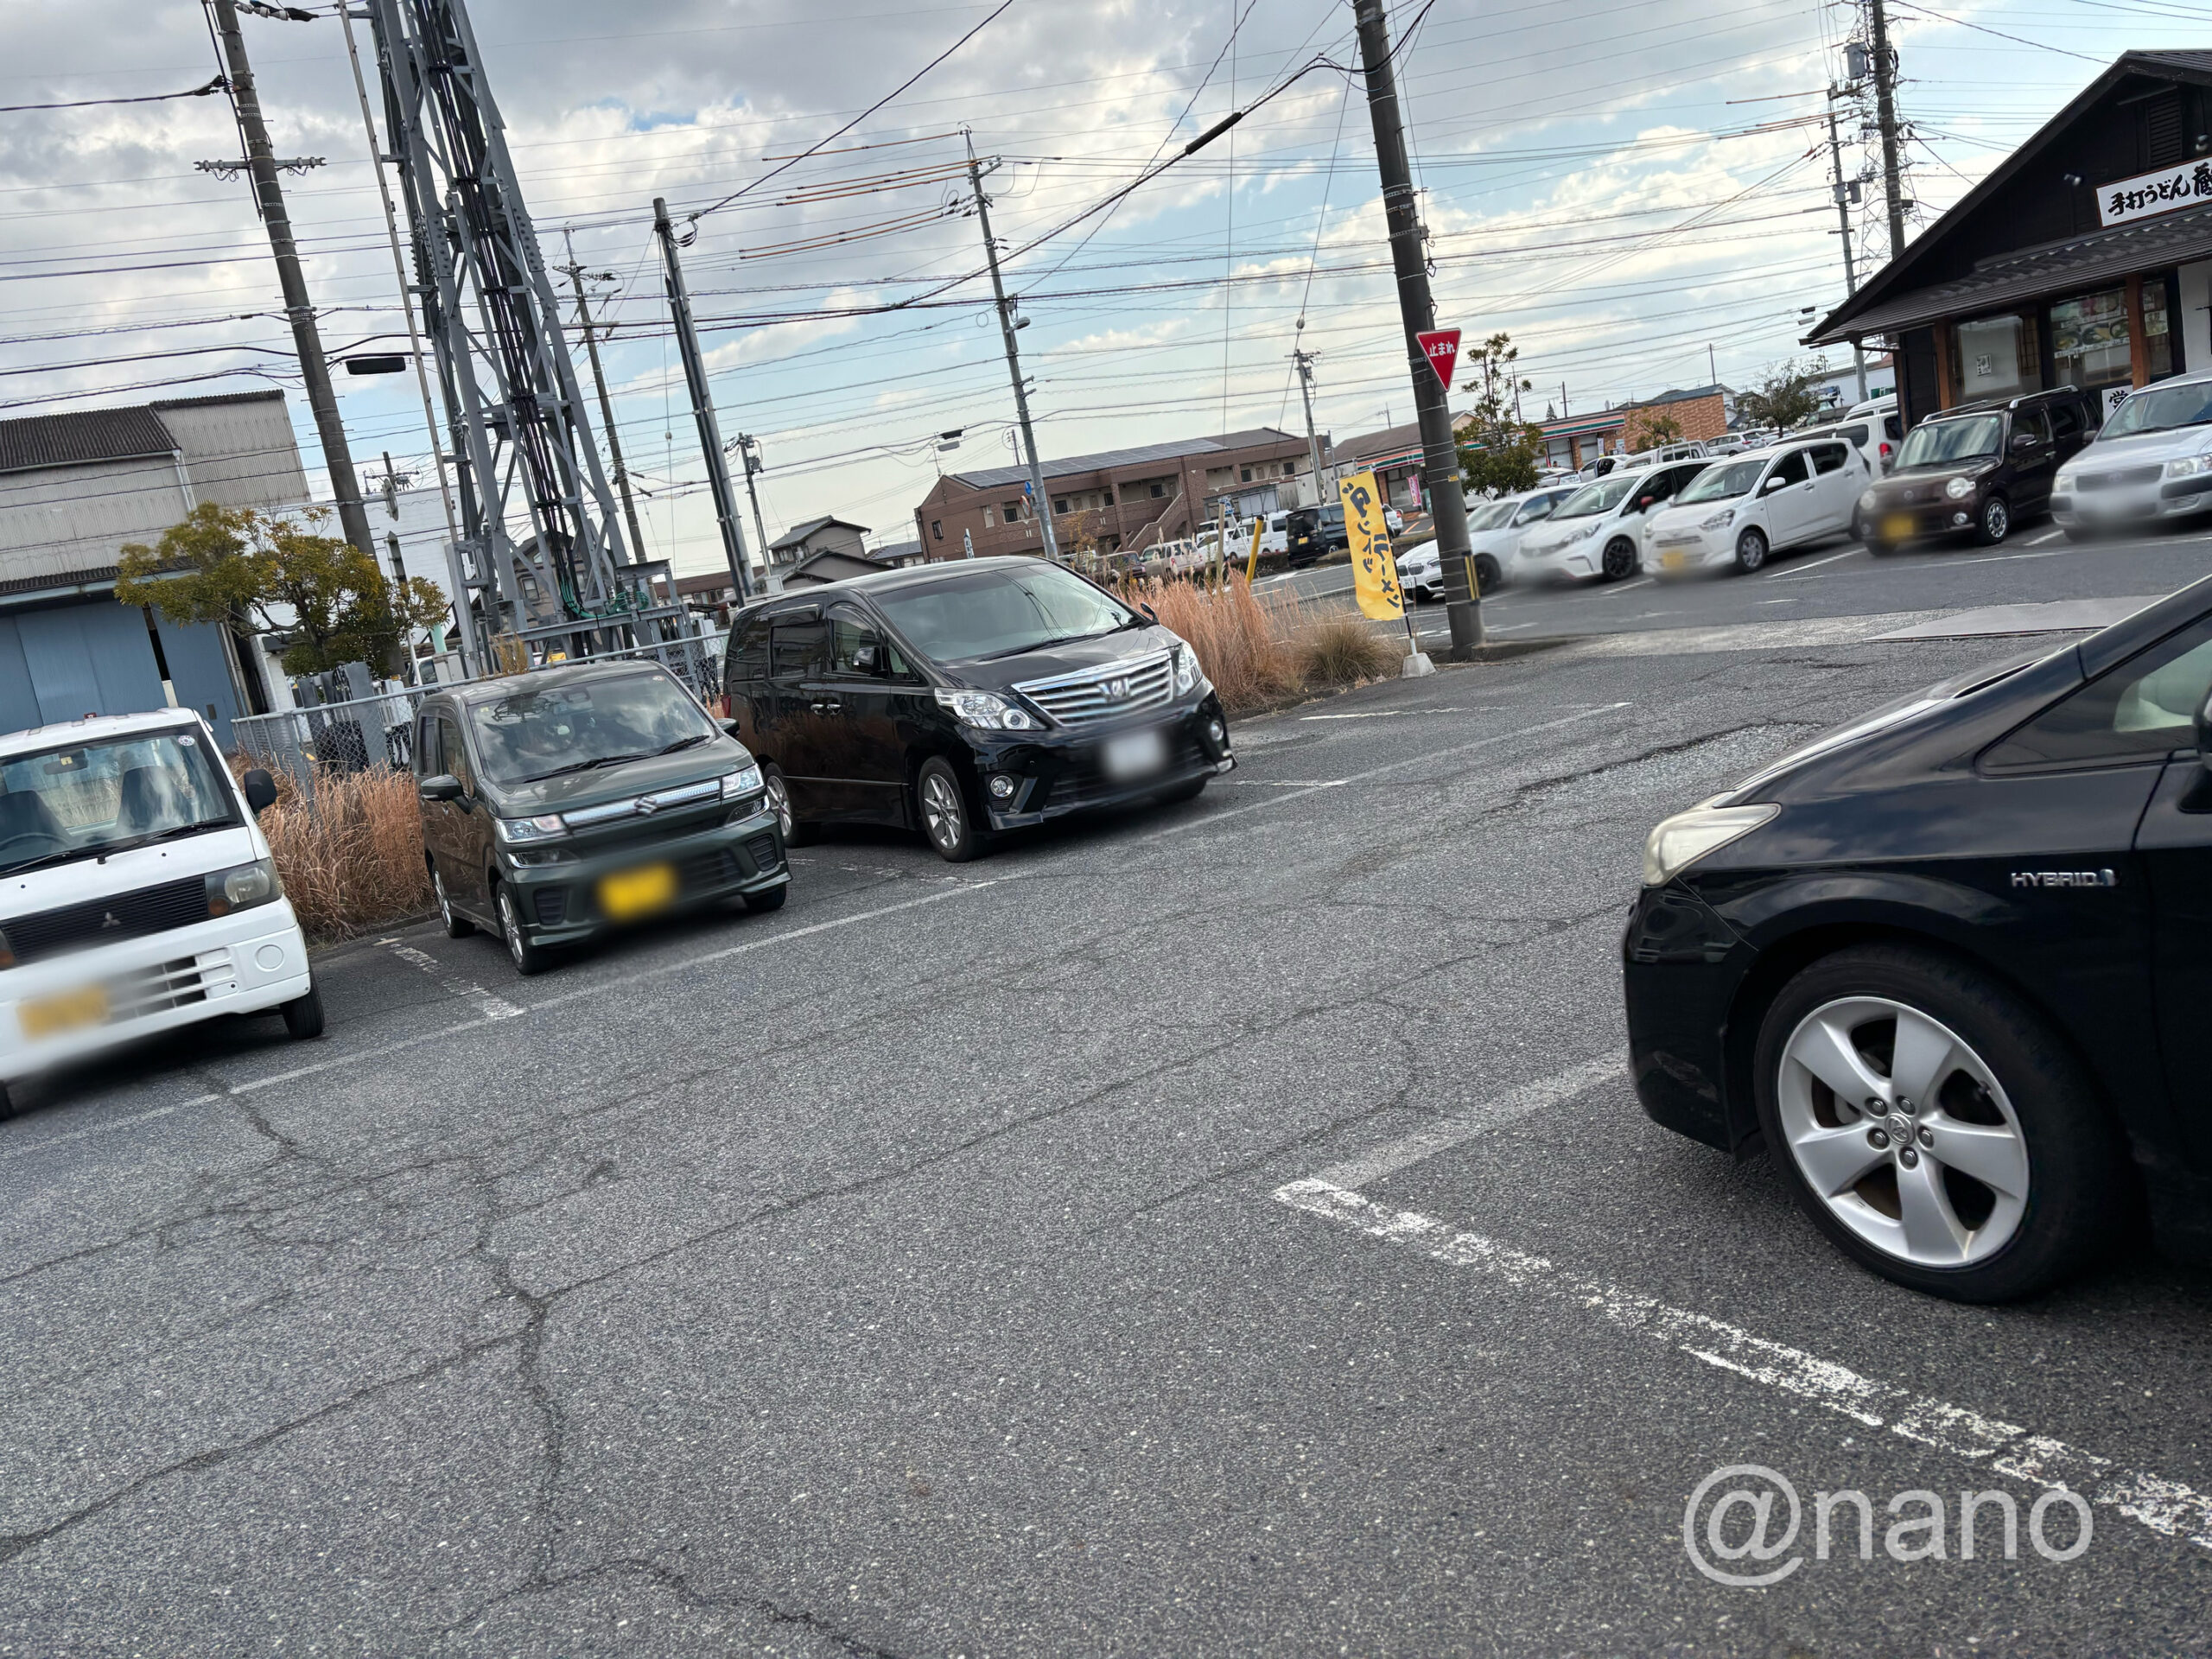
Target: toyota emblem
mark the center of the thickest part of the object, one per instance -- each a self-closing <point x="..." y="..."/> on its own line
<point x="1117" y="690"/>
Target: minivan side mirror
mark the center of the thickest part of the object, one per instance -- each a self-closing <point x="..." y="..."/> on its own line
<point x="1151" y="613"/>
<point x="260" y="791"/>
<point x="443" y="787"/>
<point x="729" y="727"/>
<point x="868" y="660"/>
<point x="2023" y="440"/>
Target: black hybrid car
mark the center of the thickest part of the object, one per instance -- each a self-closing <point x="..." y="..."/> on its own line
<point x="1948" y="964"/>
<point x="557" y="803"/>
<point x="969" y="698"/>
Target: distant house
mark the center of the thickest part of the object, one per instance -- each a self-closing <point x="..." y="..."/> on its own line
<point x="824" y="535"/>
<point x="831" y="564"/>
<point x="898" y="554"/>
<point x="711" y="593"/>
<point x="74" y="489"/>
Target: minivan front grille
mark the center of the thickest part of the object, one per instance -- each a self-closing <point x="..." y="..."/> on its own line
<point x="103" y="921"/>
<point x="2115" y="480"/>
<point x="1098" y="694"/>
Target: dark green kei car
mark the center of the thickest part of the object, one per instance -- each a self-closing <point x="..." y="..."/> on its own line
<point x="563" y="803"/>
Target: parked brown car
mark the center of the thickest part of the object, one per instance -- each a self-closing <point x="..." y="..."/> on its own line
<point x="1976" y="470"/>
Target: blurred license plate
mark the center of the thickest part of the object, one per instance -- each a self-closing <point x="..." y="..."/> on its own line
<point x="1672" y="560"/>
<point x="1896" y="527"/>
<point x="636" y="893"/>
<point x="1133" y="754"/>
<point x="49" y="1016"/>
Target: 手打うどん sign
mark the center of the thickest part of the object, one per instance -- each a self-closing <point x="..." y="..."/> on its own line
<point x="2187" y="185"/>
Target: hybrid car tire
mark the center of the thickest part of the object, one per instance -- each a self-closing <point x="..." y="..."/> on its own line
<point x="1620" y="561"/>
<point x="1750" y="550"/>
<point x="1930" y="1126"/>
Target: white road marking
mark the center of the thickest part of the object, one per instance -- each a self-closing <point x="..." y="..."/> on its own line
<point x="1447" y="1133"/>
<point x="1797" y="573"/>
<point x="494" y="1007"/>
<point x="2039" y="538"/>
<point x="1285" y="783"/>
<point x="1394" y="713"/>
<point x="1627" y="587"/>
<point x="2002" y="558"/>
<point x="2164" y="1506"/>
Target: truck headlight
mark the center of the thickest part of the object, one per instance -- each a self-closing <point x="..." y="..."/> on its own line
<point x="514" y="831"/>
<point x="1959" y="488"/>
<point x="1678" y="842"/>
<point x="988" y="711"/>
<point x="243" y="886"/>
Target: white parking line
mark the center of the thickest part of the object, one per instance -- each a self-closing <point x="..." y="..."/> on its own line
<point x="1797" y="573"/>
<point x="1286" y="783"/>
<point x="493" y="1007"/>
<point x="2166" y="1507"/>
<point x="1447" y="1133"/>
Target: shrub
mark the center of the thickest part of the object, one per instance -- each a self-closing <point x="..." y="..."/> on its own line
<point x="1341" y="647"/>
<point x="1241" y="643"/>
<point x="352" y="858"/>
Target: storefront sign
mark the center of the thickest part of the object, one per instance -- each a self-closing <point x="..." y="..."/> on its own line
<point x="1374" y="571"/>
<point x="2189" y="185"/>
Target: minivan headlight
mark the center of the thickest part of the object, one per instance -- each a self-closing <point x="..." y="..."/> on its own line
<point x="987" y="711"/>
<point x="1187" y="672"/>
<point x="1678" y="842"/>
<point x="1959" y="488"/>
<point x="243" y="886"/>
<point x="743" y="782"/>
<point x="515" y="830"/>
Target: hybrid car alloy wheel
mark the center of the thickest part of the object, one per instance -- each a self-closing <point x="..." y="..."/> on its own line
<point x="1750" y="550"/>
<point x="1931" y="1127"/>
<point x="1620" y="561"/>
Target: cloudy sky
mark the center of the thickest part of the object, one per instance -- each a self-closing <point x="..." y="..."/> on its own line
<point x="1631" y="188"/>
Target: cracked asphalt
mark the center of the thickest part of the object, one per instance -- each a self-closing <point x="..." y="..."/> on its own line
<point x="903" y="1274"/>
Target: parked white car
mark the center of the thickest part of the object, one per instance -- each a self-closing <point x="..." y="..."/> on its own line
<point x="1877" y="436"/>
<point x="2151" y="461"/>
<point x="136" y="891"/>
<point x="1739" y="511"/>
<point x="1597" y="533"/>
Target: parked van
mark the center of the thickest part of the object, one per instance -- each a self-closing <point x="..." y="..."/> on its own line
<point x="136" y="891"/>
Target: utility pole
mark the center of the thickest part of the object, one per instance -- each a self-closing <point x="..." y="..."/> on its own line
<point x="1885" y="120"/>
<point x="1304" y="359"/>
<point x="606" y="405"/>
<point x="306" y="339"/>
<point x="703" y="407"/>
<point x="1843" y="221"/>
<point x="1007" y="325"/>
<point x="748" y="452"/>
<point x="1440" y="455"/>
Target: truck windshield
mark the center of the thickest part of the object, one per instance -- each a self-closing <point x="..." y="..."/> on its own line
<point x="96" y="798"/>
<point x="998" y="613"/>
<point x="540" y="732"/>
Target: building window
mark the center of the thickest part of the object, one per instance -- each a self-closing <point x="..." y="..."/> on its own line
<point x="1159" y="490"/>
<point x="1247" y="475"/>
<point x="2088" y="337"/>
<point x="1999" y="357"/>
<point x="1059" y="504"/>
<point x="1011" y="510"/>
<point x="1106" y="498"/>
<point x="987" y="520"/>
<point x="937" y="530"/>
<point x="1290" y="469"/>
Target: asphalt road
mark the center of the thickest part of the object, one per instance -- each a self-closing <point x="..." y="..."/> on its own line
<point x="1833" y="578"/>
<point x="1217" y="1231"/>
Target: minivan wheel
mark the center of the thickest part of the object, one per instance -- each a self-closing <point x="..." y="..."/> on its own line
<point x="795" y="834"/>
<point x="303" y="1015"/>
<point x="1750" y="550"/>
<point x="457" y="926"/>
<point x="1995" y="523"/>
<point x="528" y="958"/>
<point x="1620" y="561"/>
<point x="944" y="812"/>
<point x="1930" y="1127"/>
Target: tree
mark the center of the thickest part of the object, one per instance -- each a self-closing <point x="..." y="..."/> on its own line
<point x="1784" y="397"/>
<point x="1655" y="431"/>
<point x="1498" y="451"/>
<point x="253" y="573"/>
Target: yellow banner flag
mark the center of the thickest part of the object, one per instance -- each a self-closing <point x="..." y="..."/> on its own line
<point x="1374" y="571"/>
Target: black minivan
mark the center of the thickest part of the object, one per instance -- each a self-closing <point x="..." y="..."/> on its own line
<point x="968" y="697"/>
<point x="560" y="802"/>
<point x="1977" y="470"/>
<point x="1948" y="965"/>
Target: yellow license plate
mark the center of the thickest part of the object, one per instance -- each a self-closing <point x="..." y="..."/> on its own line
<point x="631" y="894"/>
<point x="1896" y="527"/>
<point x="51" y="1015"/>
<point x="1672" y="560"/>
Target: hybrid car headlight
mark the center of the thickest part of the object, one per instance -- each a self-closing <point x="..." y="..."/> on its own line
<point x="1678" y="842"/>
<point x="514" y="831"/>
<point x="243" y="886"/>
<point x="1959" y="488"/>
<point x="739" y="783"/>
<point x="1719" y="520"/>
<point x="987" y="711"/>
<point x="1187" y="673"/>
<point x="1867" y="501"/>
<point x="2189" y="466"/>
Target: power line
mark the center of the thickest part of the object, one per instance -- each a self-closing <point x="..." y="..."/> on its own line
<point x="218" y="84"/>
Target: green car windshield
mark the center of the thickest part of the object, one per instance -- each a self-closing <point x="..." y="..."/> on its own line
<point x="537" y="731"/>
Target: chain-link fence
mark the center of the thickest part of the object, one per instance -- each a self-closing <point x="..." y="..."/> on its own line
<point x="338" y="739"/>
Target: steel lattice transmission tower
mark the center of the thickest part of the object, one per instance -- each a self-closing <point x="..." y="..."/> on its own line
<point x="541" y="535"/>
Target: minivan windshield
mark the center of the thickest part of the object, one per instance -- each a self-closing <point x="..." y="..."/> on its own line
<point x="537" y="731"/>
<point x="1945" y="443"/>
<point x="999" y="612"/>
<point x="2161" y="408"/>
<point x="97" y="799"/>
<point x="1723" y="483"/>
<point x="1601" y="497"/>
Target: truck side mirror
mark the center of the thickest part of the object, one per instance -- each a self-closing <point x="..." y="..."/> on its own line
<point x="443" y="787"/>
<point x="260" y="791"/>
